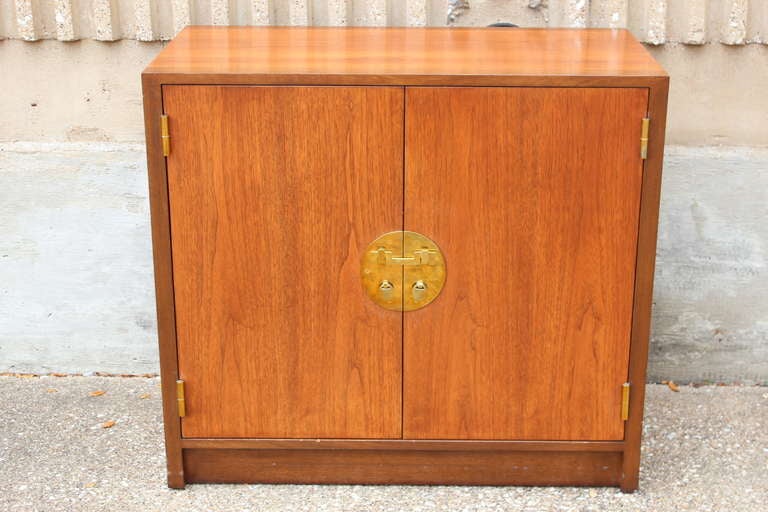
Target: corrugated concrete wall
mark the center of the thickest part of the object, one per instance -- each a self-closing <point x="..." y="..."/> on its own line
<point x="695" y="22"/>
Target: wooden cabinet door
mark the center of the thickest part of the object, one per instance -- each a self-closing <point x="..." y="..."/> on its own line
<point x="533" y="196"/>
<point x="273" y="193"/>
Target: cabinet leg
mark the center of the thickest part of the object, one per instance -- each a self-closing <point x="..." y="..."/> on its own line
<point x="630" y="480"/>
<point x="176" y="480"/>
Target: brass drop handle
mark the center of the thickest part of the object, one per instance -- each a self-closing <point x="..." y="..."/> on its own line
<point x="419" y="290"/>
<point x="420" y="257"/>
<point x="386" y="290"/>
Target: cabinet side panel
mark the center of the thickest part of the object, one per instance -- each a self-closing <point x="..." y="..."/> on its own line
<point x="533" y="196"/>
<point x="274" y="192"/>
<point x="646" y="259"/>
<point x="161" y="248"/>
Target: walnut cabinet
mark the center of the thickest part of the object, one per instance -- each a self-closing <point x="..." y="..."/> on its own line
<point x="404" y="255"/>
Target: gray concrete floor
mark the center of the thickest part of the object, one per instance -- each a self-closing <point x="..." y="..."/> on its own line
<point x="705" y="449"/>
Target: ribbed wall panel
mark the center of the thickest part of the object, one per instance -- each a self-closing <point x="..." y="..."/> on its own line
<point x="416" y="13"/>
<point x="693" y="22"/>
<point x="181" y="14"/>
<point x="27" y="19"/>
<point x="609" y="13"/>
<point x="734" y="30"/>
<point x="338" y="13"/>
<point x="695" y="30"/>
<point x="65" y="20"/>
<point x="104" y="15"/>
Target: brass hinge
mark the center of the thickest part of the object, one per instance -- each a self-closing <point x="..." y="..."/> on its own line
<point x="164" y="135"/>
<point x="644" y="138"/>
<point x="181" y="404"/>
<point x="625" y="401"/>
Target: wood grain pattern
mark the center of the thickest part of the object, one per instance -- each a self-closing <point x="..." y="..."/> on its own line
<point x="402" y="467"/>
<point x="340" y="53"/>
<point x="273" y="193"/>
<point x="533" y="195"/>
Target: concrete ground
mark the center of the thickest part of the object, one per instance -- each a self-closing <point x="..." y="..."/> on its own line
<point x="705" y="449"/>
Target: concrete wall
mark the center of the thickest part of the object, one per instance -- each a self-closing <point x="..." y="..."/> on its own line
<point x="75" y="261"/>
<point x="76" y="282"/>
<point x="710" y="314"/>
<point x="76" y="291"/>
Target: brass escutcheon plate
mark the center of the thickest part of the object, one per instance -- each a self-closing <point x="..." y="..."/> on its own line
<point x="402" y="271"/>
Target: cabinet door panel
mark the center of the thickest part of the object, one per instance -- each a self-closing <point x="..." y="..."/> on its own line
<point x="533" y="196"/>
<point x="273" y="192"/>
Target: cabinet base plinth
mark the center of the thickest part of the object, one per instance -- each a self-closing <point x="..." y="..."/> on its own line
<point x="429" y="467"/>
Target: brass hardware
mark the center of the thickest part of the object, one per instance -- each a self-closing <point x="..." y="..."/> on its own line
<point x="181" y="403"/>
<point x="386" y="290"/>
<point x="420" y="257"/>
<point x="164" y="135"/>
<point x="419" y="290"/>
<point x="625" y="401"/>
<point x="402" y="257"/>
<point x="644" y="138"/>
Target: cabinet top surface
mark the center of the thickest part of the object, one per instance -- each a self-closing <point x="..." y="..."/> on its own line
<point x="324" y="52"/>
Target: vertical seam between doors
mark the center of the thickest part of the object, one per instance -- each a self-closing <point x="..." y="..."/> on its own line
<point x="402" y="279"/>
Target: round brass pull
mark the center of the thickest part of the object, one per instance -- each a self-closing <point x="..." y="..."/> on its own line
<point x="402" y="271"/>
